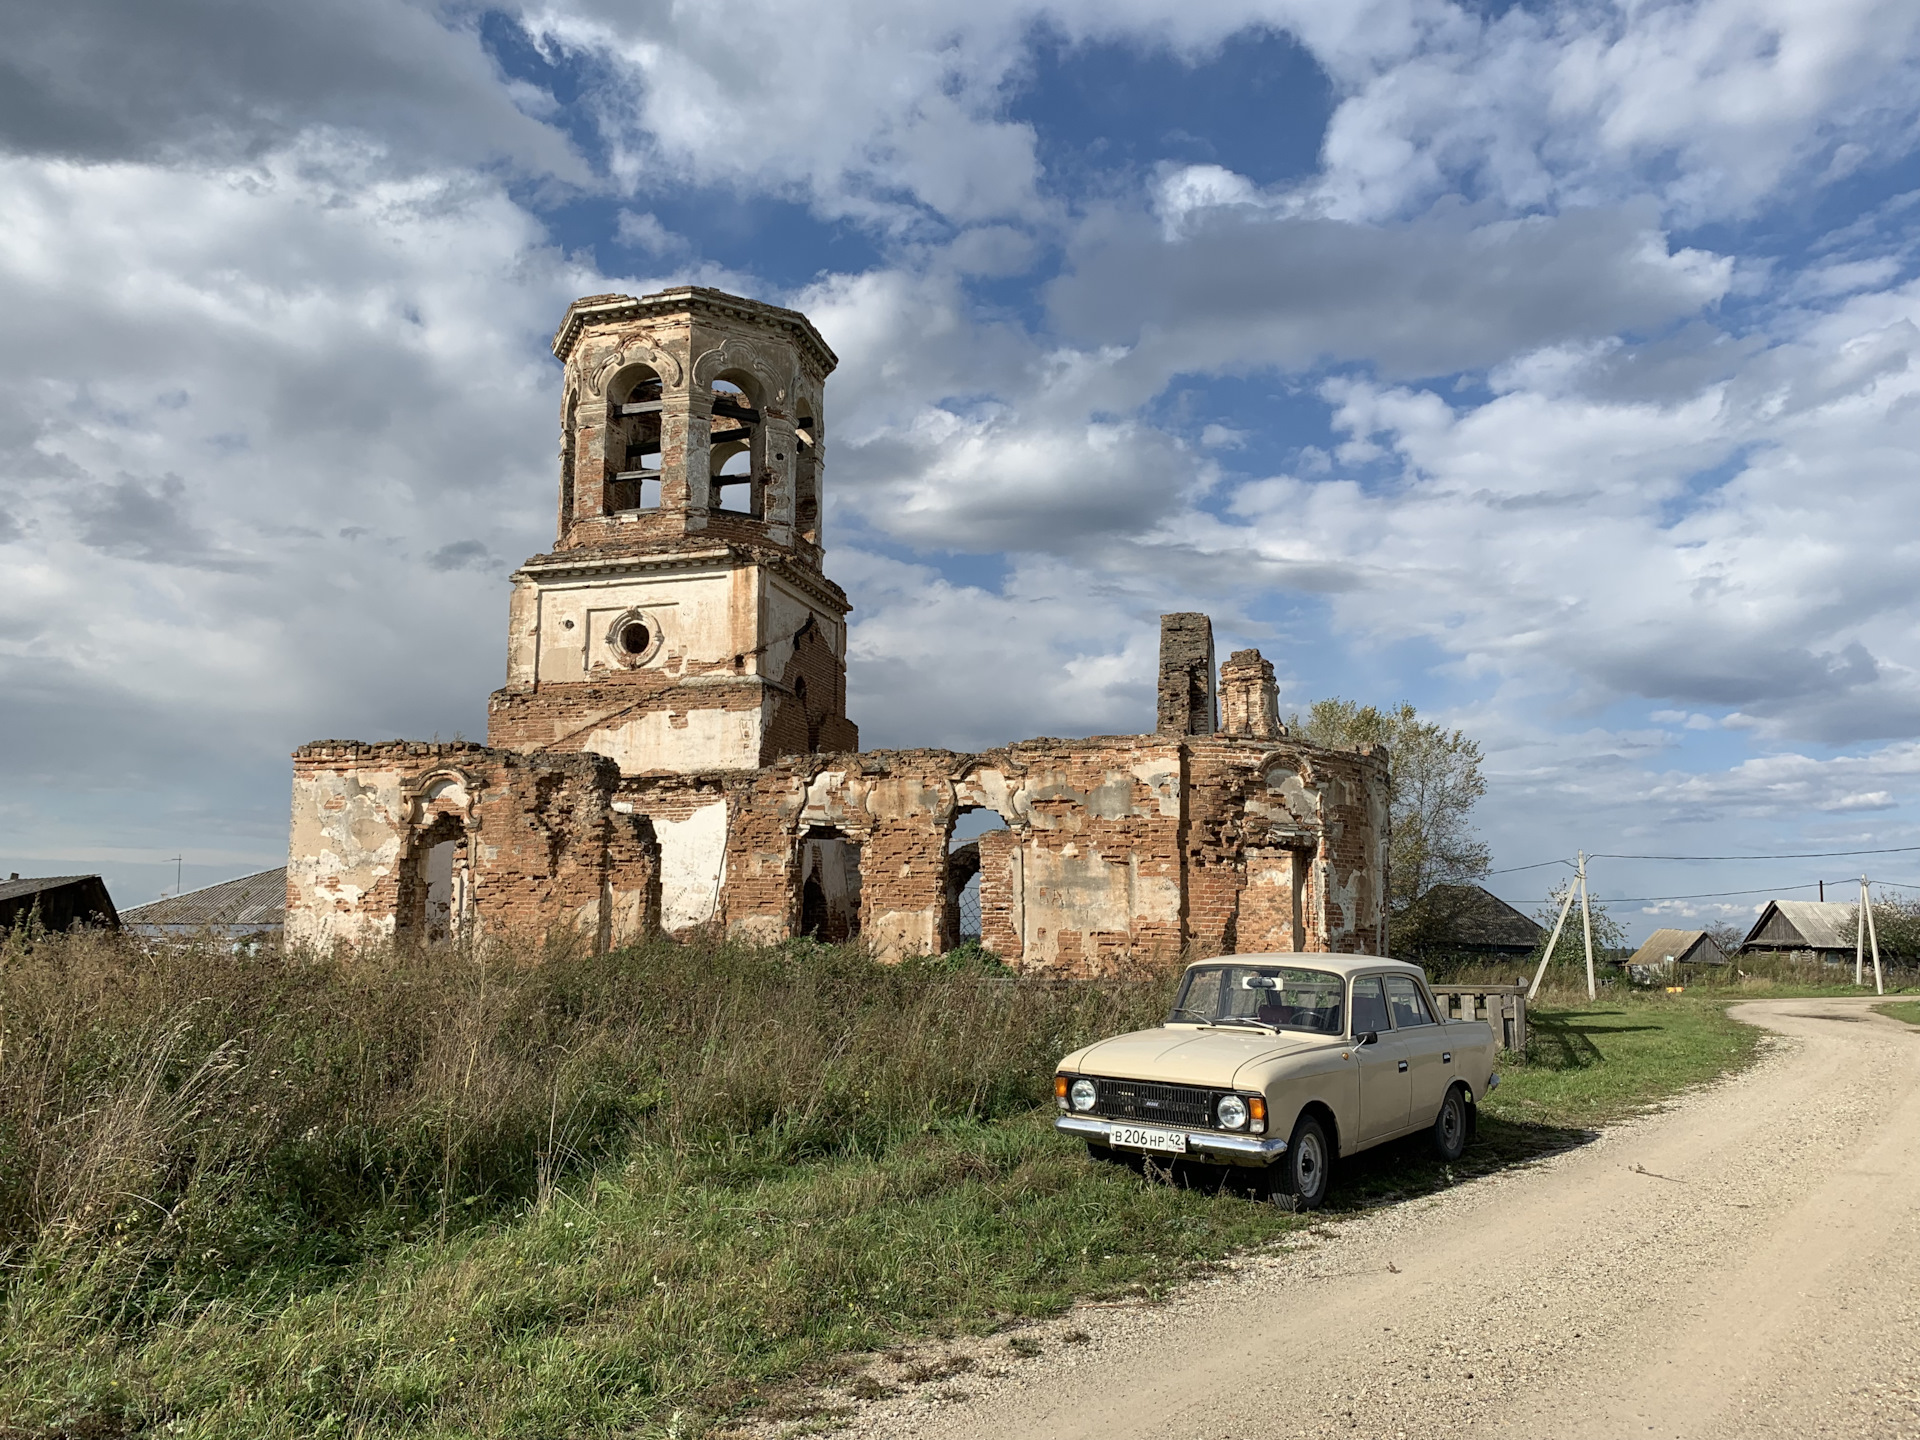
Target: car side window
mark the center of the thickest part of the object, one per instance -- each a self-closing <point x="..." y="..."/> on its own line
<point x="1409" y="1005"/>
<point x="1369" y="1005"/>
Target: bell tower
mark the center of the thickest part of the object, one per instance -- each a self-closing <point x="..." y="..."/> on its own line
<point x="682" y="621"/>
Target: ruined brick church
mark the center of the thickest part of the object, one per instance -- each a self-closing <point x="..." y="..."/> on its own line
<point x="671" y="750"/>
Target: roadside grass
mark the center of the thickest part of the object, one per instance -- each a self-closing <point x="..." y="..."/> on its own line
<point x="1907" y="1010"/>
<point x="1589" y="1063"/>
<point x="467" y="1195"/>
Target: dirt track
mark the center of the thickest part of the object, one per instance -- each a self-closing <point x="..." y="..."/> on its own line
<point x="1744" y="1265"/>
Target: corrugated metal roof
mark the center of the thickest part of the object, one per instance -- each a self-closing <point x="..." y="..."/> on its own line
<point x="1690" y="947"/>
<point x="253" y="901"/>
<point x="14" y="889"/>
<point x="1808" y="925"/>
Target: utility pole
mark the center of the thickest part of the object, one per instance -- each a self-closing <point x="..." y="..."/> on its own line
<point x="1554" y="939"/>
<point x="1873" y="935"/>
<point x="1586" y="924"/>
<point x="1860" y="934"/>
<point x="177" y="863"/>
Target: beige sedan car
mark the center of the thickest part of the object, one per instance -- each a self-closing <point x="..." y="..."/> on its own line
<point x="1282" y="1062"/>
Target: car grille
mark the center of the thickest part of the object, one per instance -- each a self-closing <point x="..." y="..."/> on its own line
<point x="1181" y="1105"/>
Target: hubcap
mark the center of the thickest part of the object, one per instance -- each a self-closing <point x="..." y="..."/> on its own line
<point x="1451" y="1120"/>
<point x="1307" y="1166"/>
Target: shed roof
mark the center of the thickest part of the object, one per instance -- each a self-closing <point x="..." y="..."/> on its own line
<point x="253" y="901"/>
<point x="1473" y="918"/>
<point x="60" y="901"/>
<point x="16" y="887"/>
<point x="1803" y="925"/>
<point x="1687" y="947"/>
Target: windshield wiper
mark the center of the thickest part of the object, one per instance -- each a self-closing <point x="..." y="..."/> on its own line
<point x="1179" y="1010"/>
<point x="1243" y="1020"/>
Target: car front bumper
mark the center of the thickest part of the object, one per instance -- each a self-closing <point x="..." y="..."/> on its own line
<point x="1237" y="1149"/>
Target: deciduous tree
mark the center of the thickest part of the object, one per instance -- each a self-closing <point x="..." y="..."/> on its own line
<point x="1436" y="781"/>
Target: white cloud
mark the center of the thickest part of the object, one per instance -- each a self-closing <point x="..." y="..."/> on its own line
<point x="205" y="81"/>
<point x="641" y="231"/>
<point x="253" y="423"/>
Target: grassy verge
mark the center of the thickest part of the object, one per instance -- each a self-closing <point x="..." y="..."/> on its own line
<point x="1588" y="1064"/>
<point x="1907" y="1010"/>
<point x="446" y="1195"/>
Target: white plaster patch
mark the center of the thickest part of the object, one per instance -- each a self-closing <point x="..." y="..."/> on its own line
<point x="1163" y="779"/>
<point x="710" y="740"/>
<point x="693" y="858"/>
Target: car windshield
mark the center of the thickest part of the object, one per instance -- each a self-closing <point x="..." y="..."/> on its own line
<point x="1281" y="997"/>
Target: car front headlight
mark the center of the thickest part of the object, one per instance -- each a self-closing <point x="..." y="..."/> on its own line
<point x="1082" y="1094"/>
<point x="1232" y="1111"/>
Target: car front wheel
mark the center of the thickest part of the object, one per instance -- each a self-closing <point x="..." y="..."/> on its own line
<point x="1300" y="1176"/>
<point x="1451" y="1126"/>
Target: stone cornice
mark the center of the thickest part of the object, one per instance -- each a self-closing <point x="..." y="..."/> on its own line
<point x="590" y="565"/>
<point x="604" y="309"/>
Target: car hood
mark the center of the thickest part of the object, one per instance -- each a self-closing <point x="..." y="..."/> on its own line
<point x="1181" y="1056"/>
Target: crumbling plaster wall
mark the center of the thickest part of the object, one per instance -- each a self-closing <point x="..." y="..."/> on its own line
<point x="1119" y="850"/>
<point x="545" y="852"/>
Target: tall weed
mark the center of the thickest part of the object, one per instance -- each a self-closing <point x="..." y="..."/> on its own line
<point x="181" y="1123"/>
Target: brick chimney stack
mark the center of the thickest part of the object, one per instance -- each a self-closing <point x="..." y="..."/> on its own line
<point x="1187" y="702"/>
<point x="1249" y="698"/>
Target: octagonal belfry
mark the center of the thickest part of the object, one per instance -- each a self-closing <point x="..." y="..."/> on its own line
<point x="681" y="622"/>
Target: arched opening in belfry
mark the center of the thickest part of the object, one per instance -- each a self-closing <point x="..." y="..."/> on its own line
<point x="635" y="439"/>
<point x="979" y="836"/>
<point x="806" y="475"/>
<point x="735" y="447"/>
<point x="828" y="870"/>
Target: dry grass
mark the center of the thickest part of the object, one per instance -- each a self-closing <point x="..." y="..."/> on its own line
<point x="211" y="1163"/>
<point x="450" y="1194"/>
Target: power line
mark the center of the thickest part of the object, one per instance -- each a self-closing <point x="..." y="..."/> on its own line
<point x="1804" y="855"/>
<point x="1707" y="895"/>
<point x="1541" y="865"/>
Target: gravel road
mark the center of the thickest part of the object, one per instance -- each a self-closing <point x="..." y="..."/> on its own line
<point x="1744" y="1264"/>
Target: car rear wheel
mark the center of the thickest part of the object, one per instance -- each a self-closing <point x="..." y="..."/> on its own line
<point x="1299" y="1177"/>
<point x="1452" y="1126"/>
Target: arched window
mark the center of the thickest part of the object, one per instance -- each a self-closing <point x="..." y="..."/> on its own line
<point x="806" y="477"/>
<point x="633" y="441"/>
<point x="737" y="447"/>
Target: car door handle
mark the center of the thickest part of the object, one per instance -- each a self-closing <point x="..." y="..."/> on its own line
<point x="1403" y="1065"/>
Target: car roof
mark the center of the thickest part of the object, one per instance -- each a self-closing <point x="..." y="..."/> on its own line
<point x="1315" y="960"/>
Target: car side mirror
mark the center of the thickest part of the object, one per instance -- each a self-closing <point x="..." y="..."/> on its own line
<point x="1372" y="1037"/>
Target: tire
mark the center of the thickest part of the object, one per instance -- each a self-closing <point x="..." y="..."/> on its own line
<point x="1299" y="1178"/>
<point x="1453" y="1126"/>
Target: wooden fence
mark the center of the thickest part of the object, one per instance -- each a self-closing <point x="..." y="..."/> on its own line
<point x="1504" y="1007"/>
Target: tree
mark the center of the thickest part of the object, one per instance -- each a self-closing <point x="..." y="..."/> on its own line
<point x="1435" y="780"/>
<point x="1609" y="935"/>
<point x="1727" y="936"/>
<point x="1897" y="923"/>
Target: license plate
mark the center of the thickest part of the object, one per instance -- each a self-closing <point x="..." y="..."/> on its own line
<point x="1139" y="1138"/>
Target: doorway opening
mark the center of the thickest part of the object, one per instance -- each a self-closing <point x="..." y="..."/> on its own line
<point x="964" y="919"/>
<point x="829" y="878"/>
<point x="433" y="883"/>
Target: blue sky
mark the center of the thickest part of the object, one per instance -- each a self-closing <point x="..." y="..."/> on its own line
<point x="1548" y="366"/>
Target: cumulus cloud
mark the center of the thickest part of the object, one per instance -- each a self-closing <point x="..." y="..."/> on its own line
<point x="1238" y="287"/>
<point x="275" y="410"/>
<point x="109" y="80"/>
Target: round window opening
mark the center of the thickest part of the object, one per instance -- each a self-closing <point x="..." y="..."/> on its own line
<point x="633" y="638"/>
